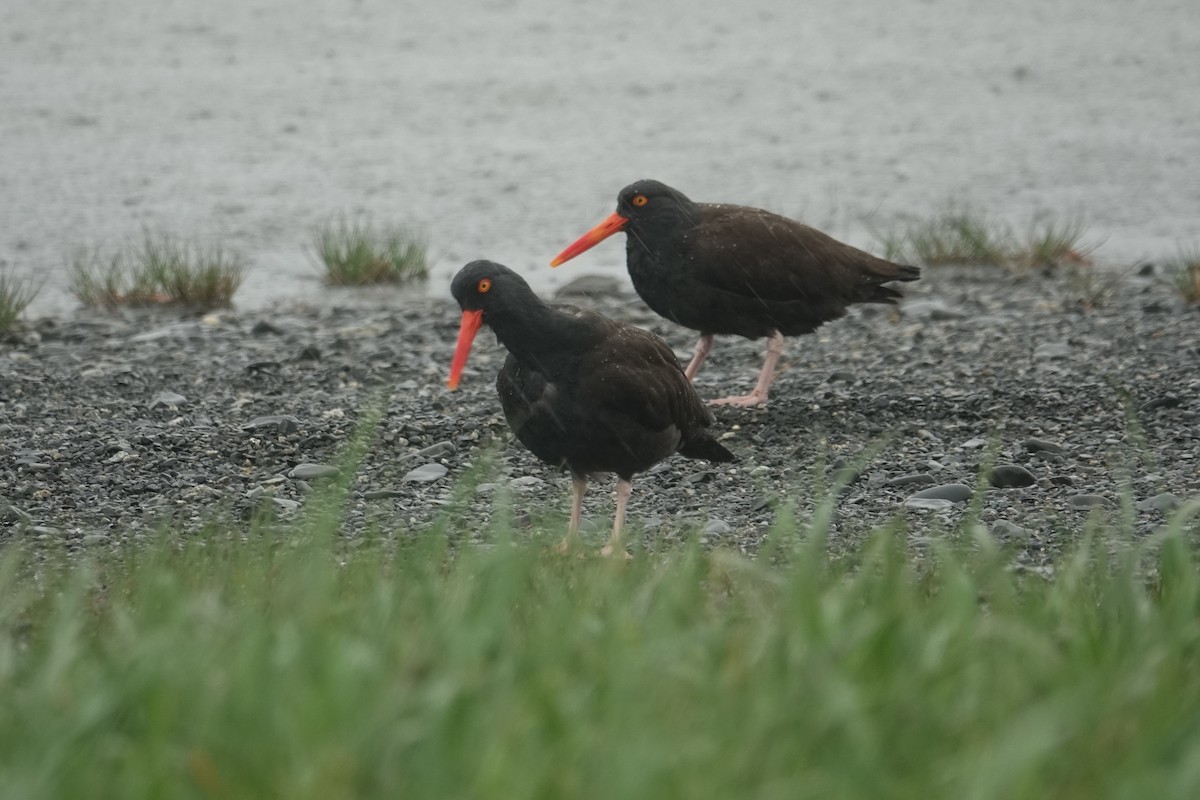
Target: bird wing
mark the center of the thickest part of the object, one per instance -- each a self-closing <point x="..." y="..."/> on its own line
<point x="755" y="254"/>
<point x="635" y="374"/>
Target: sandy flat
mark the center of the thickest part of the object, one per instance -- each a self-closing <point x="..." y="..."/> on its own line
<point x="507" y="128"/>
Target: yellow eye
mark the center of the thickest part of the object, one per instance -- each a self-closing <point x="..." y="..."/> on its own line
<point x="484" y="286"/>
<point x="640" y="200"/>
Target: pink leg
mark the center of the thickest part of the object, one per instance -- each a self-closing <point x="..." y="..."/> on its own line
<point x="571" y="541"/>
<point x="701" y="353"/>
<point x="758" y="397"/>
<point x="614" y="546"/>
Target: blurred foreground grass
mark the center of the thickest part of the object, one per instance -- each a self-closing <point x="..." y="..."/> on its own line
<point x="262" y="661"/>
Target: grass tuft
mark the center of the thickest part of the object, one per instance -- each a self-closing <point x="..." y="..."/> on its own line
<point x="160" y="270"/>
<point x="356" y="253"/>
<point x="1052" y="243"/>
<point x="1185" y="270"/>
<point x="960" y="236"/>
<point x="15" y="296"/>
<point x="955" y="236"/>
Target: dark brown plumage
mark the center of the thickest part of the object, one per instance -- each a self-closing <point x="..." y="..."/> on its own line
<point x="728" y="269"/>
<point x="580" y="390"/>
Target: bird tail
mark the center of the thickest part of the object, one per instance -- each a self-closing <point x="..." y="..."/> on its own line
<point x="904" y="272"/>
<point x="876" y="292"/>
<point x="703" y="445"/>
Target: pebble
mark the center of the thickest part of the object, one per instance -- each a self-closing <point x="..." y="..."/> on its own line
<point x="1086" y="501"/>
<point x="1051" y="351"/>
<point x="1011" y="476"/>
<point x="167" y="400"/>
<point x="262" y="327"/>
<point x="1003" y="529"/>
<point x="307" y="472"/>
<point x="951" y="492"/>
<point x="931" y="308"/>
<point x="590" y="286"/>
<point x="928" y="503"/>
<point x="425" y="473"/>
<point x="527" y="482"/>
<point x="717" y="527"/>
<point x="1164" y="502"/>
<point x="284" y="423"/>
<point x="1043" y="446"/>
<point x="382" y="494"/>
<point x="437" y="450"/>
<point x="912" y="479"/>
<point x="1166" y="401"/>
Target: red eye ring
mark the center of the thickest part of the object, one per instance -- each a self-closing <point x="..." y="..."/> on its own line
<point x="484" y="286"/>
<point x="640" y="200"/>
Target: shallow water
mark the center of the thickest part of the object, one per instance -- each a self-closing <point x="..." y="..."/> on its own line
<point x="507" y="129"/>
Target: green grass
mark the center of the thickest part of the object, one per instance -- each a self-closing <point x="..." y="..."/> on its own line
<point x="263" y="661"/>
<point x="158" y="270"/>
<point x="1051" y="243"/>
<point x="1185" y="272"/>
<point x="15" y="296"/>
<point x="962" y="236"/>
<point x="356" y="253"/>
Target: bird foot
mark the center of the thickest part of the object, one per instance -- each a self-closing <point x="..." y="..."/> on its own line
<point x="566" y="548"/>
<point x="608" y="551"/>
<point x="745" y="400"/>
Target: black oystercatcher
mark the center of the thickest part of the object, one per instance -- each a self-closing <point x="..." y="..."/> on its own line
<point x="721" y="268"/>
<point x="580" y="390"/>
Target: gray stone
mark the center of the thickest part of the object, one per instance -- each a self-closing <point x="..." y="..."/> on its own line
<point x="284" y="423"/>
<point x="1003" y="529"/>
<point x="381" y="494"/>
<point x="1042" y="446"/>
<point x="1164" y="502"/>
<point x="426" y="473"/>
<point x="953" y="492"/>
<point x="912" y="479"/>
<point x="1052" y="351"/>
<point x="928" y="503"/>
<point x="590" y="286"/>
<point x="1011" y="476"/>
<point x="932" y="308"/>
<point x="717" y="527"/>
<point x="262" y="327"/>
<point x="443" y="448"/>
<point x="1165" y="401"/>
<point x="1082" y="502"/>
<point x="166" y="400"/>
<point x="307" y="472"/>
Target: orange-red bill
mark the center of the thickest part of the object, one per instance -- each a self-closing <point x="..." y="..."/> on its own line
<point x="471" y="321"/>
<point x="613" y="223"/>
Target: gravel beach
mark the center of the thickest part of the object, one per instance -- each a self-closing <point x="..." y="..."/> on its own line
<point x="110" y="424"/>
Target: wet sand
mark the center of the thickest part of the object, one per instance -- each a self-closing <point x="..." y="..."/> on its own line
<point x="507" y="129"/>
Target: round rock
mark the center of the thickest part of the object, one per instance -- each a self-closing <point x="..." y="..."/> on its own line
<point x="307" y="472"/>
<point x="953" y="492"/>
<point x="1084" y="502"/>
<point x="1011" y="476"/>
<point x="426" y="473"/>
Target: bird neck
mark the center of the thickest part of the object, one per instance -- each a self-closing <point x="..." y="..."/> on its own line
<point x="537" y="332"/>
<point x="662" y="235"/>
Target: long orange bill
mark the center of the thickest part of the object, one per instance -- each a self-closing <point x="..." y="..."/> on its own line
<point x="611" y="225"/>
<point x="471" y="320"/>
